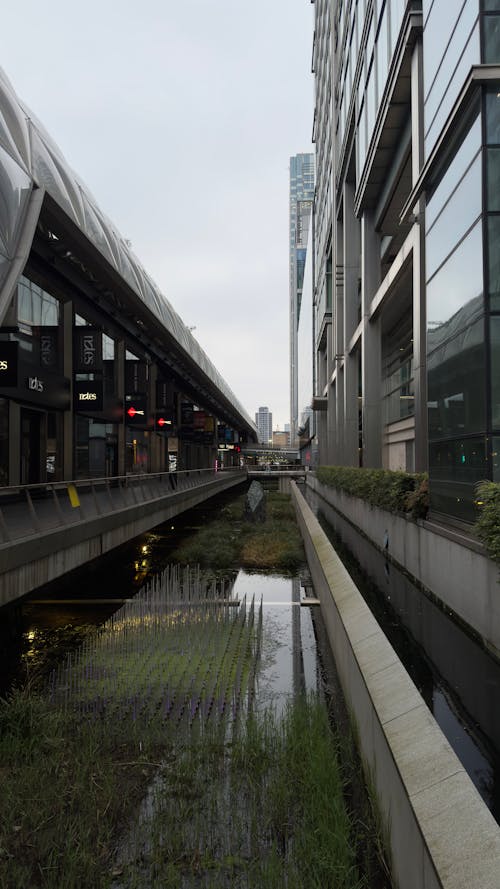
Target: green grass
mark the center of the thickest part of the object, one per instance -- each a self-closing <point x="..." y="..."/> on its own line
<point x="231" y="541"/>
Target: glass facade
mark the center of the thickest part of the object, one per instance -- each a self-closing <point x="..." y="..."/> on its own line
<point x="456" y="348"/>
<point x="451" y="45"/>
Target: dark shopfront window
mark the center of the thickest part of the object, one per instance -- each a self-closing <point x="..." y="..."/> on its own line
<point x="96" y="448"/>
<point x="36" y="315"/>
<point x="137" y="452"/>
<point x="4" y="442"/>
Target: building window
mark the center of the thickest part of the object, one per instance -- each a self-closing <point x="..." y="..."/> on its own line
<point x="4" y="442"/>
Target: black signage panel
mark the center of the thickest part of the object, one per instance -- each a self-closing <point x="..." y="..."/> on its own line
<point x="88" y="350"/>
<point x="136" y="409"/>
<point x="8" y="364"/>
<point x="87" y="395"/>
<point x="48" y="339"/>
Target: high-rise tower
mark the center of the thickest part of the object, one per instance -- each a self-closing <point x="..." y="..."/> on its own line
<point x="301" y="199"/>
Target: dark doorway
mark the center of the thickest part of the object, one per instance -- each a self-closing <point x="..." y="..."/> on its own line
<point x="31" y="428"/>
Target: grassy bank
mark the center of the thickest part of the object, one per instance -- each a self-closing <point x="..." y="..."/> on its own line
<point x="262" y="809"/>
<point x="231" y="541"/>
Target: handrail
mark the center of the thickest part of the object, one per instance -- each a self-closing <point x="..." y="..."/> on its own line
<point x="30" y="509"/>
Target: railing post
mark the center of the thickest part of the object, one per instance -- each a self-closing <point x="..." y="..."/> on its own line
<point x="34" y="516"/>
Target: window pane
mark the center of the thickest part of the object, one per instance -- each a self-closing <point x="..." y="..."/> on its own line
<point x="494" y="261"/>
<point x="470" y="57"/>
<point x="457" y="285"/>
<point x="460" y="212"/>
<point x="493" y="116"/>
<point x="455" y="171"/>
<point x="455" y="468"/>
<point x="493" y="179"/>
<point x="438" y="33"/>
<point x="495" y="370"/>
<point x="450" y="59"/>
<point x="495" y="454"/>
<point x="455" y="379"/>
<point x="491" y="39"/>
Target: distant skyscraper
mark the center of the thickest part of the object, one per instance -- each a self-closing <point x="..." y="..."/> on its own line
<point x="264" y="423"/>
<point x="301" y="198"/>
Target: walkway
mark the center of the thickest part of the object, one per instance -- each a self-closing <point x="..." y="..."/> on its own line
<point x="47" y="530"/>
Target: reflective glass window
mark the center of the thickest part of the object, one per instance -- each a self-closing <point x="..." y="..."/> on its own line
<point x="371" y="110"/>
<point x="493" y="179"/>
<point x="491" y="39"/>
<point x="494" y="261"/>
<point x="491" y="5"/>
<point x="462" y="209"/>
<point x="495" y="370"/>
<point x="458" y="282"/>
<point x="470" y="57"/>
<point x="455" y="468"/>
<point x="455" y="380"/>
<point x="493" y="116"/>
<point x="438" y="32"/>
<point x="469" y="147"/>
<point x="458" y="40"/>
<point x="382" y="50"/>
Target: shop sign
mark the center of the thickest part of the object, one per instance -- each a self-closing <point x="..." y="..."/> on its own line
<point x="88" y="395"/>
<point x="88" y="350"/>
<point x="35" y="384"/>
<point x="8" y="364"/>
<point x="48" y="338"/>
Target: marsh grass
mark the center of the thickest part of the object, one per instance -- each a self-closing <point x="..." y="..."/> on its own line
<point x="232" y="542"/>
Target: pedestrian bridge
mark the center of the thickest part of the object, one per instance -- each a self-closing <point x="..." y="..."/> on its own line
<point x="50" y="529"/>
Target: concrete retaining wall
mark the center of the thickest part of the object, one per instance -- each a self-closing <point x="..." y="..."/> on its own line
<point x="27" y="564"/>
<point x="442" y="836"/>
<point x="453" y="567"/>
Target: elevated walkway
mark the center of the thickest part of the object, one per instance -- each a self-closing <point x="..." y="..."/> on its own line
<point x="47" y="530"/>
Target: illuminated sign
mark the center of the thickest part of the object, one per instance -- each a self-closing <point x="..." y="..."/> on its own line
<point x="136" y="410"/>
<point x="8" y="364"/>
<point x="87" y="395"/>
<point x="35" y="384"/>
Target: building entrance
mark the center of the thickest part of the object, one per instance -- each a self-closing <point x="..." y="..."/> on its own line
<point x="33" y="424"/>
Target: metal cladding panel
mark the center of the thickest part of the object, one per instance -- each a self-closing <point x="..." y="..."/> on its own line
<point x="29" y="157"/>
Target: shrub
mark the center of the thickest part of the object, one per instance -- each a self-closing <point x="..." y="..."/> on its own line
<point x="394" y="491"/>
<point x="487" y="526"/>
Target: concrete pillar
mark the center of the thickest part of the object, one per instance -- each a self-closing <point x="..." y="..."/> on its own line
<point x="371" y="345"/>
<point x="352" y="250"/>
<point x="419" y="299"/>
<point x="120" y="391"/>
<point x="68" y="416"/>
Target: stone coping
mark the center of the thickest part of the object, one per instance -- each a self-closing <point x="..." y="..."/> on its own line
<point x="441" y="832"/>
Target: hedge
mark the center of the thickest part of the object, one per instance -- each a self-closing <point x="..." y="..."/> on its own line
<point x="388" y="489"/>
<point x="487" y="526"/>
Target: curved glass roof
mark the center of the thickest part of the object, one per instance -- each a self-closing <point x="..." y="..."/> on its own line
<point x="28" y="158"/>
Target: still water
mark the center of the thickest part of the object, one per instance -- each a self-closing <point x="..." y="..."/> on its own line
<point x="458" y="679"/>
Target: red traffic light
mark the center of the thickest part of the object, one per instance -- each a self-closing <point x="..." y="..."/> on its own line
<point x="161" y="421"/>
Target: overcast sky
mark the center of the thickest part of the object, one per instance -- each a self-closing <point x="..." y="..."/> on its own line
<point x="181" y="116"/>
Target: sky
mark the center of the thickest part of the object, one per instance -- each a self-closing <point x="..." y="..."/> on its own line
<point x="181" y="116"/>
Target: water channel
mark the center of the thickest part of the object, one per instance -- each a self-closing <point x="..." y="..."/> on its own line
<point x="457" y="678"/>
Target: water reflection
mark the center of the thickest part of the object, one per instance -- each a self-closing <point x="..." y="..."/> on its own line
<point x="289" y="651"/>
<point x="458" y="679"/>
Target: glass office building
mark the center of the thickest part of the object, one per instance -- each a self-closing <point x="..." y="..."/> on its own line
<point x="300" y="206"/>
<point x="408" y="344"/>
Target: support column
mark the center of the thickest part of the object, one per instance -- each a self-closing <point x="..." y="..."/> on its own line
<point x="371" y="348"/>
<point x="419" y="297"/>
<point x="352" y="249"/>
<point x="120" y="386"/>
<point x="68" y="416"/>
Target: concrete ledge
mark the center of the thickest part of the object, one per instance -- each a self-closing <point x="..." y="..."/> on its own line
<point x="442" y="836"/>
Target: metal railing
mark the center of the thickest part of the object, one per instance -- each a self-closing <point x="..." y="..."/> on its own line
<point x="26" y="510"/>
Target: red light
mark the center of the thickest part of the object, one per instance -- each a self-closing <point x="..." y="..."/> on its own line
<point x="161" y="421"/>
<point x="131" y="412"/>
